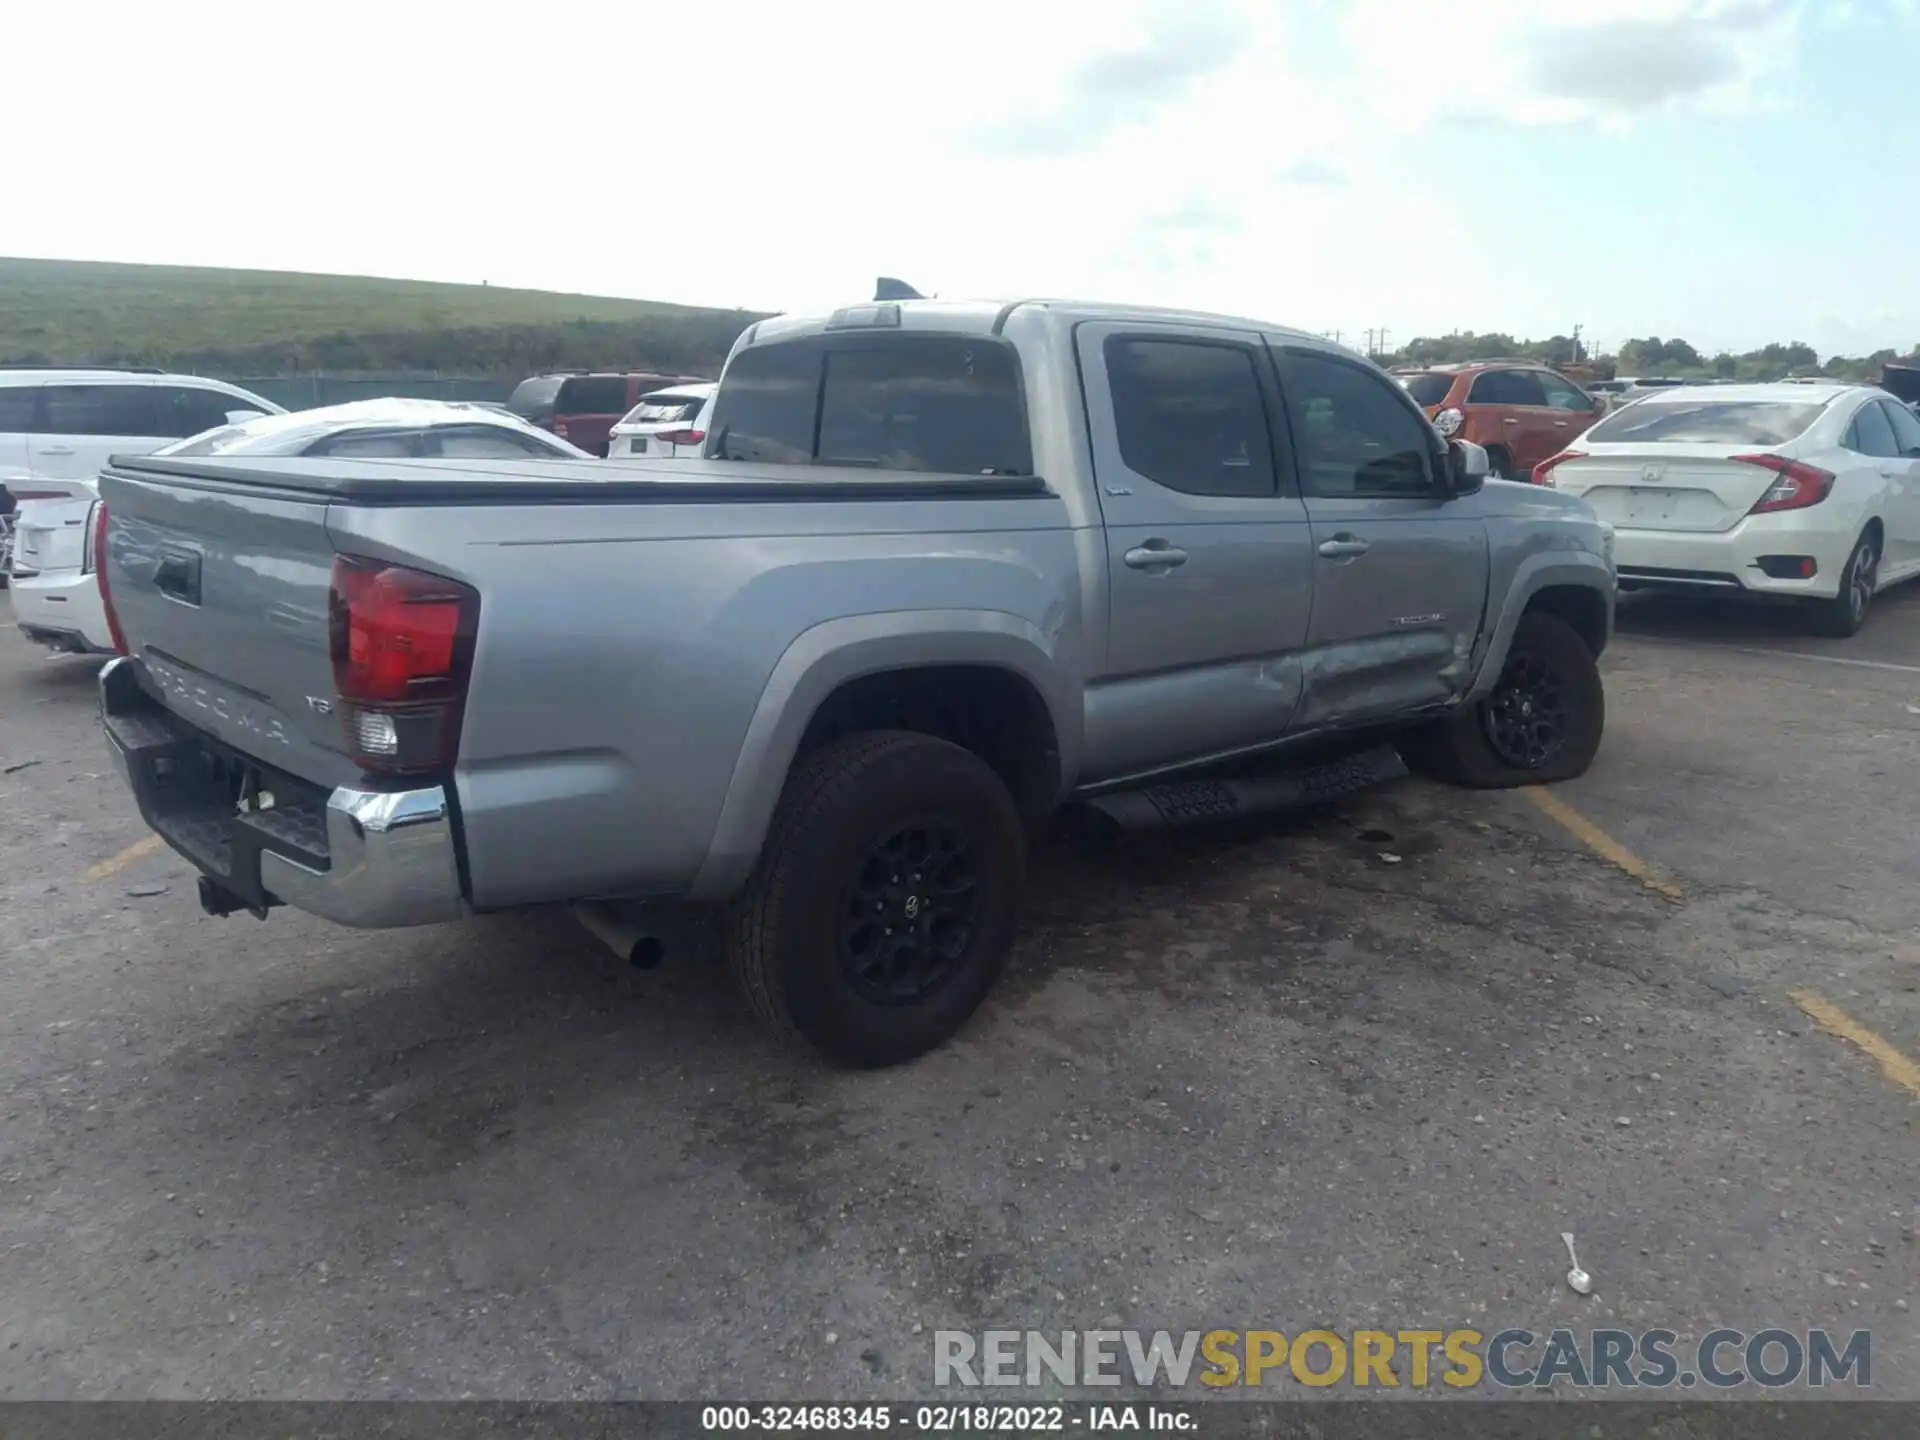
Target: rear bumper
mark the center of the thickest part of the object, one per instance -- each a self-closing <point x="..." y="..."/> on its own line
<point x="61" y="608"/>
<point x="365" y="858"/>
<point x="1730" y="561"/>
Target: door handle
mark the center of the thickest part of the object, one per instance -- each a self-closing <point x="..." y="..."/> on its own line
<point x="56" y="449"/>
<point x="1344" y="547"/>
<point x="1513" y="420"/>
<point x="1889" y="474"/>
<point x="1559" y="424"/>
<point x="1155" y="555"/>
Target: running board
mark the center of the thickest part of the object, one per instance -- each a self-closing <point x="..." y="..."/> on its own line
<point x="1190" y="802"/>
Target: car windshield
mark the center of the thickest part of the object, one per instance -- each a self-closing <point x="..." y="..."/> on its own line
<point x="1427" y="389"/>
<point x="1706" y="422"/>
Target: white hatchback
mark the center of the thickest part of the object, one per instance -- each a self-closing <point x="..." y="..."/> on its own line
<point x="1783" y="489"/>
<point x="665" y="425"/>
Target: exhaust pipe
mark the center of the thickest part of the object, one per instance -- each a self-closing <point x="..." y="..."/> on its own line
<point x="1190" y="802"/>
<point x="635" y="944"/>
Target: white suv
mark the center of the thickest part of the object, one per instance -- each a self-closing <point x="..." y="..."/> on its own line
<point x="57" y="429"/>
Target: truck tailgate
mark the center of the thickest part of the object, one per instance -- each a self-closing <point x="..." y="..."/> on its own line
<point x="221" y="594"/>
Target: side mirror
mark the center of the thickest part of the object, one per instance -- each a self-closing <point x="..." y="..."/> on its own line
<point x="1467" y="467"/>
<point x="240" y="417"/>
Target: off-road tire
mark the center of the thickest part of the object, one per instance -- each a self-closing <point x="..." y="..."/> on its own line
<point x="1845" y="614"/>
<point x="1499" y="463"/>
<point x="783" y="932"/>
<point x="1460" y="750"/>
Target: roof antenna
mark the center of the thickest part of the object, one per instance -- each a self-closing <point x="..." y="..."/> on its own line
<point x="888" y="288"/>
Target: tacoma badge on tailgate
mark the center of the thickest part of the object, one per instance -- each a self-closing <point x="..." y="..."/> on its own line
<point x="196" y="692"/>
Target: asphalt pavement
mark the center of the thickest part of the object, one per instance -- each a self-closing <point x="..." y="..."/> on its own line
<point x="1359" y="1068"/>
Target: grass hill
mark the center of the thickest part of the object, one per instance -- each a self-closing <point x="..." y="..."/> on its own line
<point x="266" y="322"/>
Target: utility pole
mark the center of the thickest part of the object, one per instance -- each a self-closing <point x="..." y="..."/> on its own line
<point x="1369" y="334"/>
<point x="1578" y="354"/>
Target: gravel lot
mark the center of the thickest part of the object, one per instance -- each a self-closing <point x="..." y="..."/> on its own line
<point x="1267" y="1077"/>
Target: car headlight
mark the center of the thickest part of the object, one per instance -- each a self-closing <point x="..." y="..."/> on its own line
<point x="1448" y="421"/>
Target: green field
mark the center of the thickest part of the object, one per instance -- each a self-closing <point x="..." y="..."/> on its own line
<point x="263" y="321"/>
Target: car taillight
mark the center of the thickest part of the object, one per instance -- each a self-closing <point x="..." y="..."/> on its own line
<point x="684" y="437"/>
<point x="1798" y="486"/>
<point x="1543" y="472"/>
<point x="560" y="428"/>
<point x="402" y="644"/>
<point x="99" y="557"/>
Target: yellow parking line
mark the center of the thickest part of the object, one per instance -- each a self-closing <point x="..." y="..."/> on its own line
<point x="1835" y="1021"/>
<point x="139" y="850"/>
<point x="1601" y="843"/>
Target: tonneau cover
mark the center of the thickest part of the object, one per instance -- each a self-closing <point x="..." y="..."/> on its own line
<point x="536" y="480"/>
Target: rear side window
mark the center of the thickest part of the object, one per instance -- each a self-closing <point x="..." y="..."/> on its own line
<point x="1427" y="389"/>
<point x="1354" y="436"/>
<point x="105" y="410"/>
<point x="1871" y="432"/>
<point x="17" y="406"/>
<point x="951" y="406"/>
<point x="1188" y="415"/>
<point x="943" y="404"/>
<point x="1705" y="422"/>
<point x="1506" y="387"/>
<point x="592" y="395"/>
<point x="489" y="444"/>
<point x="369" y="447"/>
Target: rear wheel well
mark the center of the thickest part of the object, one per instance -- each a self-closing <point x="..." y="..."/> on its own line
<point x="995" y="713"/>
<point x="1581" y="606"/>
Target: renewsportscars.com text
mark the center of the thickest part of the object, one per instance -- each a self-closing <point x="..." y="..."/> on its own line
<point x="1511" y="1359"/>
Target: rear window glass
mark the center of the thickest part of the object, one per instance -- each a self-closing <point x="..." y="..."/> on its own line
<point x="533" y="399"/>
<point x="1706" y="422"/>
<point x="1427" y="389"/>
<point x="104" y="410"/>
<point x="662" y="412"/>
<point x="946" y="404"/>
<point x="592" y="395"/>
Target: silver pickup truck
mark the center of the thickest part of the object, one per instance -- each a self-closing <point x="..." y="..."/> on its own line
<point x="944" y="569"/>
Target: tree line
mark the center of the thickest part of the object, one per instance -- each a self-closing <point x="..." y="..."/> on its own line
<point x="1653" y="356"/>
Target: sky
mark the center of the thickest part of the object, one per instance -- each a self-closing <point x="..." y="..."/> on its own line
<point x="1728" y="171"/>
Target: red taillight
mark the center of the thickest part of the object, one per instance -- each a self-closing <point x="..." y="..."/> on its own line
<point x="684" y="437"/>
<point x="1798" y="486"/>
<point x="100" y="575"/>
<point x="1543" y="472"/>
<point x="560" y="428"/>
<point x="402" y="645"/>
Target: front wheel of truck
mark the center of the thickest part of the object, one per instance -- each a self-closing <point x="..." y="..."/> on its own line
<point x="1541" y="723"/>
<point x="882" y="909"/>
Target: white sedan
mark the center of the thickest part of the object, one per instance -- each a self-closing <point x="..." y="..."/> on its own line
<point x="1784" y="489"/>
<point x="56" y="594"/>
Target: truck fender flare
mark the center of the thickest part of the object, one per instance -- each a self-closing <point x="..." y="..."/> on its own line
<point x="828" y="655"/>
<point x="1537" y="572"/>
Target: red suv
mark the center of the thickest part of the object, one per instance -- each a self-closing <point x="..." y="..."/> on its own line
<point x="1520" y="412"/>
<point x="583" y="407"/>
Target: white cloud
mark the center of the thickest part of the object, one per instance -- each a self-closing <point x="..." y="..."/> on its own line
<point x="1531" y="64"/>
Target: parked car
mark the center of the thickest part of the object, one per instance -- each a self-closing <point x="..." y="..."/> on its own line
<point x="57" y="427"/>
<point x="946" y="568"/>
<point x="1520" y="413"/>
<point x="56" y="599"/>
<point x="583" y="408"/>
<point x="666" y="425"/>
<point x="1810" y="491"/>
